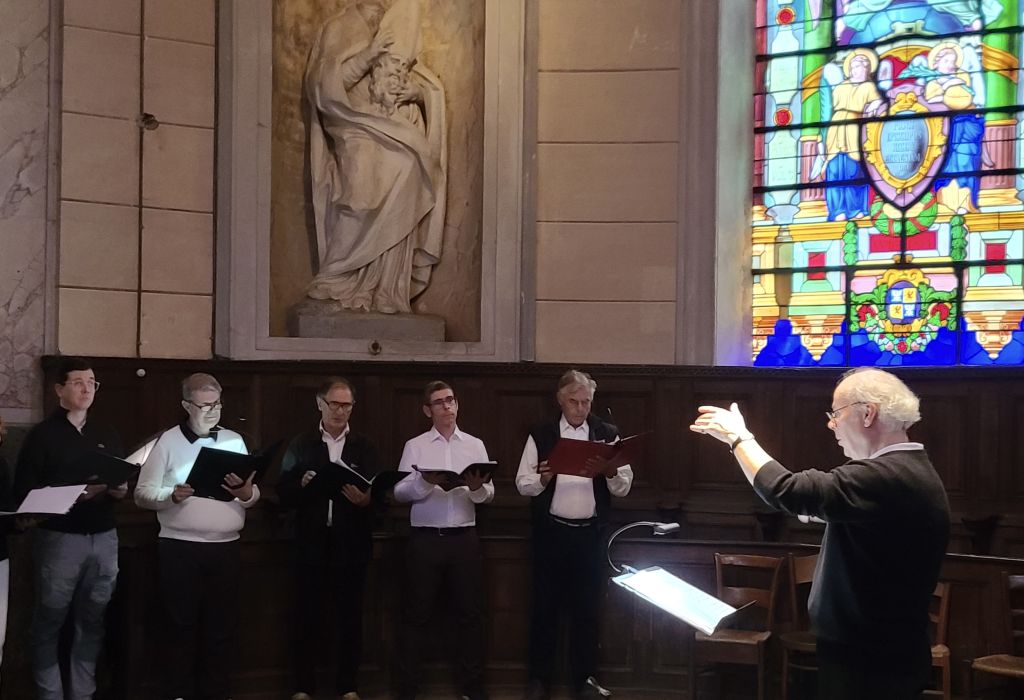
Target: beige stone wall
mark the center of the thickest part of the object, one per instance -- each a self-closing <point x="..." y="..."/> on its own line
<point x="135" y="273"/>
<point x="608" y="110"/>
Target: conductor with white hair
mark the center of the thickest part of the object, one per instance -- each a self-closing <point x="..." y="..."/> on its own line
<point x="887" y="527"/>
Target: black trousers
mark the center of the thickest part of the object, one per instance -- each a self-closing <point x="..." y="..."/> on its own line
<point x="336" y="586"/>
<point x="199" y="587"/>
<point x="845" y="677"/>
<point x="451" y="564"/>
<point x="568" y="576"/>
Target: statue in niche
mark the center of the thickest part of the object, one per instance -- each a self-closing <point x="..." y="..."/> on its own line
<point x="378" y="158"/>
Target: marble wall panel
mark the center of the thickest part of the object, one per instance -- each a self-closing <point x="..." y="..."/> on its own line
<point x="101" y="73"/>
<point x="24" y="98"/>
<point x="177" y="168"/>
<point x="606" y="332"/>
<point x="179" y="82"/>
<point x="606" y="35"/>
<point x="453" y="48"/>
<point x="185" y="20"/>
<point x="177" y="251"/>
<point x="176" y="325"/>
<point x="591" y="261"/>
<point x="99" y="159"/>
<point x="98" y="322"/>
<point x="112" y="15"/>
<point x="616" y="106"/>
<point x="99" y="246"/>
<point x="607" y="182"/>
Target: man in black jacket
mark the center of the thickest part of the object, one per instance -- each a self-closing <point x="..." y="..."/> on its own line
<point x="75" y="555"/>
<point x="568" y="515"/>
<point x="887" y="528"/>
<point x="333" y="543"/>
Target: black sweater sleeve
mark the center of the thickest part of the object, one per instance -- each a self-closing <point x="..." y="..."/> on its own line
<point x="854" y="492"/>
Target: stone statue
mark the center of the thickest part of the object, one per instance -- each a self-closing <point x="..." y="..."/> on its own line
<point x="378" y="158"/>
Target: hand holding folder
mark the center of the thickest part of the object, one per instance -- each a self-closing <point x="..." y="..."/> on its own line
<point x="331" y="477"/>
<point x="213" y="469"/>
<point x="584" y="458"/>
<point x="448" y="480"/>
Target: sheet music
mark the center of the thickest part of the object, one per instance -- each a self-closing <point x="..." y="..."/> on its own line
<point x="676" y="597"/>
<point x="55" y="500"/>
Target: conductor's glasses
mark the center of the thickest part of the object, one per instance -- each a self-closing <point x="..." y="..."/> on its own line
<point x="834" y="412"/>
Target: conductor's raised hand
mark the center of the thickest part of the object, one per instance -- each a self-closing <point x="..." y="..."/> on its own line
<point x="242" y="490"/>
<point x="356" y="496"/>
<point x="181" y="492"/>
<point x="725" y="424"/>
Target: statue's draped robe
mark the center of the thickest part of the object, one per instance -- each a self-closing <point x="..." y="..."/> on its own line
<point x="378" y="182"/>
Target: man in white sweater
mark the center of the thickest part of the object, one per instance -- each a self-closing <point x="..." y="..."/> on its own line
<point x="198" y="549"/>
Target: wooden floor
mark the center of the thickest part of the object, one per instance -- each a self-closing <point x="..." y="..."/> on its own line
<point x="495" y="694"/>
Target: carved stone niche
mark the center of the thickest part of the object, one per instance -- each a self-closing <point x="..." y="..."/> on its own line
<point x="267" y="250"/>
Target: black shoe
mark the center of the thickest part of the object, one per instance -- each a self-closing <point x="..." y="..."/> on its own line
<point x="536" y="690"/>
<point x="592" y="690"/>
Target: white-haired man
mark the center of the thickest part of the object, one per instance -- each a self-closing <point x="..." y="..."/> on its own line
<point x="568" y="515"/>
<point x="887" y="528"/>
<point x="198" y="552"/>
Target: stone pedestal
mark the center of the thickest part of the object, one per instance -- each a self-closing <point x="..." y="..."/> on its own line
<point x="315" y="318"/>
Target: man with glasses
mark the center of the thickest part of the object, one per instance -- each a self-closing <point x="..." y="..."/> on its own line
<point x="333" y="539"/>
<point x="887" y="528"/>
<point x="198" y="551"/>
<point x="75" y="555"/>
<point x="443" y="552"/>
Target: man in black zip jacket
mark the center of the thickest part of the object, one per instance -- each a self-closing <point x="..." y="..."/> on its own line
<point x="333" y="538"/>
<point x="887" y="527"/>
<point x="568" y="514"/>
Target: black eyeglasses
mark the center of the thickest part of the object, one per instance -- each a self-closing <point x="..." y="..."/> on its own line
<point x="446" y="401"/>
<point x="832" y="414"/>
<point x="81" y="384"/>
<point x="207" y="407"/>
<point x="338" y="405"/>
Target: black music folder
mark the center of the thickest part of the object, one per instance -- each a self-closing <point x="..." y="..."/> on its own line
<point x="95" y="467"/>
<point x="453" y="480"/>
<point x="332" y="476"/>
<point x="212" y="466"/>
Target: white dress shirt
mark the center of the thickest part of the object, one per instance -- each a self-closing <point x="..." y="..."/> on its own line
<point x="432" y="506"/>
<point x="574" y="495"/>
<point x="335" y="446"/>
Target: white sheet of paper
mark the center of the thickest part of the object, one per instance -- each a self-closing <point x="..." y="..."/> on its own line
<point x="676" y="597"/>
<point x="55" y="500"/>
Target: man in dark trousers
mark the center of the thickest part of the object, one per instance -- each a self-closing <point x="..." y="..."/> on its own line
<point x="333" y="543"/>
<point x="887" y="528"/>
<point x="75" y="555"/>
<point x="568" y="515"/>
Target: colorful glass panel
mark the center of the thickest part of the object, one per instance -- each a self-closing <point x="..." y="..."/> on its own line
<point x="888" y="225"/>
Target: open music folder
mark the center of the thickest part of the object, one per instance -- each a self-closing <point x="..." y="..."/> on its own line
<point x="679" y="599"/>
<point x="570" y="456"/>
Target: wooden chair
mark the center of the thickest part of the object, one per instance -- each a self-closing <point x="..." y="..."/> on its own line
<point x="746" y="647"/>
<point x="938" y="617"/>
<point x="799" y="644"/>
<point x="1010" y="665"/>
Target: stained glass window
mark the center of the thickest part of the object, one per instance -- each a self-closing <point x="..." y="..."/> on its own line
<point x="888" y="225"/>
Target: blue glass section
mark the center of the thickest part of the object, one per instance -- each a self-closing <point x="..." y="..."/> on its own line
<point x="1013" y="353"/>
<point x="784" y="349"/>
<point x="867" y="27"/>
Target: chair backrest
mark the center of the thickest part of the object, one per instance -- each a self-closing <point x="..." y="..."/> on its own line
<point x="938" y="613"/>
<point x="745" y="578"/>
<point x="1015" y="593"/>
<point x="801" y="576"/>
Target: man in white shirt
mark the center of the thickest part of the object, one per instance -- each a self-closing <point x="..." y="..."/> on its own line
<point x="443" y="551"/>
<point x="198" y="552"/>
<point x="568" y="515"/>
